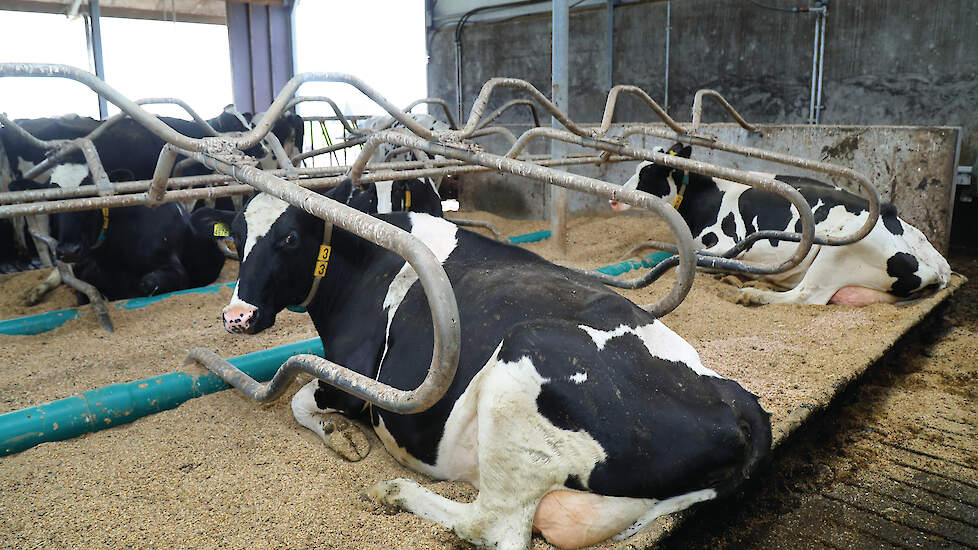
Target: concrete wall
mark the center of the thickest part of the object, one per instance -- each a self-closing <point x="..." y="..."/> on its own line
<point x="911" y="167"/>
<point x="887" y="62"/>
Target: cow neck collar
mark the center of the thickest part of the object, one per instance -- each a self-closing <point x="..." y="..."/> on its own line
<point x="100" y="240"/>
<point x="676" y="202"/>
<point x="319" y="271"/>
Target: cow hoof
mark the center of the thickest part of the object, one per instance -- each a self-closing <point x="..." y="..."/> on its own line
<point x="149" y="285"/>
<point x="32" y="297"/>
<point x="387" y="493"/>
<point x="349" y="442"/>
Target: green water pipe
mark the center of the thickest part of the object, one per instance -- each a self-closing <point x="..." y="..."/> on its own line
<point x="43" y="322"/>
<point x="624" y="267"/>
<point x="117" y="404"/>
<point x="530" y="237"/>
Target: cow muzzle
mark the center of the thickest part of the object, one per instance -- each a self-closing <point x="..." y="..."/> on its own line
<point x="619" y="206"/>
<point x="239" y="318"/>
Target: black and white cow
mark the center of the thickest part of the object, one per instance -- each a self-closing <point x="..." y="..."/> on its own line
<point x="893" y="262"/>
<point x="133" y="251"/>
<point x="573" y="411"/>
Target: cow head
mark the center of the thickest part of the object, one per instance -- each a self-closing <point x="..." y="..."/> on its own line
<point x="656" y="179"/>
<point x="77" y="233"/>
<point x="279" y="246"/>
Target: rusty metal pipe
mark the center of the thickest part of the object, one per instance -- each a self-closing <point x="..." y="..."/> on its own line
<point x="612" y="103"/>
<point x="872" y="196"/>
<point x="674" y="221"/>
<point x="698" y="111"/>
<point x="431" y="275"/>
<point x="479" y="106"/>
<point x="747" y="178"/>
<point x="336" y="110"/>
<point x="435" y="101"/>
<point x="509" y="105"/>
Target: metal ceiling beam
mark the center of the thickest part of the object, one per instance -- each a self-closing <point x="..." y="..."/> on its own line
<point x="187" y="11"/>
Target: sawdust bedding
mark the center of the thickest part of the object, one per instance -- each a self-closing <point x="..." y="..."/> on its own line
<point x="223" y="472"/>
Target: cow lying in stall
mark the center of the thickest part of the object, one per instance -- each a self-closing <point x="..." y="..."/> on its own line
<point x="574" y="412"/>
<point x="133" y="251"/>
<point x="145" y="252"/>
<point x="893" y="262"/>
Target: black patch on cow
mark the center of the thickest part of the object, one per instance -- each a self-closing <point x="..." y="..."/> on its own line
<point x="902" y="266"/>
<point x="729" y="226"/>
<point x="709" y="239"/>
<point x="652" y="179"/>
<point x="890" y="221"/>
<point x="574" y="482"/>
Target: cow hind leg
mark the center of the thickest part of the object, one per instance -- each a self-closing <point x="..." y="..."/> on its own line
<point x="339" y="434"/>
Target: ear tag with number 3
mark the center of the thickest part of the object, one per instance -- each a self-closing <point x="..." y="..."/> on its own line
<point x="221" y="230"/>
<point x="322" y="260"/>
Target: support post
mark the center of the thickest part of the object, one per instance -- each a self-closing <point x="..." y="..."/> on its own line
<point x="95" y="20"/>
<point x="260" y="38"/>
<point x="558" y="86"/>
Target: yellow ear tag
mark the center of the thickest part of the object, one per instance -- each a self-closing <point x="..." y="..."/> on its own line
<point x="322" y="260"/>
<point x="221" y="230"/>
<point x="407" y="199"/>
<point x="677" y="201"/>
<point x="673" y="153"/>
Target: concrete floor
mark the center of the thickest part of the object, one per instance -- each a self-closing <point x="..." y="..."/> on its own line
<point x="893" y="465"/>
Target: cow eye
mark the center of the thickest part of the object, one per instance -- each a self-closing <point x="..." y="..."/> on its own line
<point x="290" y="239"/>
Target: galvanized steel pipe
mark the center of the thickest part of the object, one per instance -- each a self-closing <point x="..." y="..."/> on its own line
<point x="698" y="111"/>
<point x="687" y="257"/>
<point x="437" y="288"/>
<point x="872" y="196"/>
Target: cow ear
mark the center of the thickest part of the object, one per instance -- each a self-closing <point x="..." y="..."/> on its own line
<point x="210" y="222"/>
<point x="675" y="149"/>
<point x="686" y="151"/>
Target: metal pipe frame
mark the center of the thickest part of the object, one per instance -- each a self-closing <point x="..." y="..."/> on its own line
<point x="310" y="174"/>
<point x="686" y="258"/>
<point x="612" y="103"/>
<point x="509" y="105"/>
<point x="68" y="277"/>
<point x="806" y="237"/>
<point x="336" y="110"/>
<point x="431" y="275"/>
<point x="698" y="111"/>
<point x="435" y="101"/>
<point x="872" y="196"/>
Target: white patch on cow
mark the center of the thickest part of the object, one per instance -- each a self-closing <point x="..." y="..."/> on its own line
<point x="439" y="236"/>
<point x="579" y="377"/>
<point x="261" y="214"/>
<point x="384" y="202"/>
<point x="307" y="412"/>
<point x="450" y="205"/>
<point x="235" y="301"/>
<point x="520" y="454"/>
<point x="601" y="337"/>
<point x="659" y="340"/>
<point x="667" y="506"/>
<point x="69" y="176"/>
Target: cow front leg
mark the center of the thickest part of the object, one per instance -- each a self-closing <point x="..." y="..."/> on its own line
<point x="339" y="434"/>
<point x="36" y="293"/>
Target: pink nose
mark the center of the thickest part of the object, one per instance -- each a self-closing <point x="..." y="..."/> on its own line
<point x="619" y="206"/>
<point x="237" y="317"/>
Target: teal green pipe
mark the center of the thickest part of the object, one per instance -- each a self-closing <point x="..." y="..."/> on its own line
<point x="624" y="267"/>
<point x="117" y="404"/>
<point x="530" y="237"/>
<point x="43" y="322"/>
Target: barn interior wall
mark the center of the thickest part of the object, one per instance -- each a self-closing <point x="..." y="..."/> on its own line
<point x="887" y="62"/>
